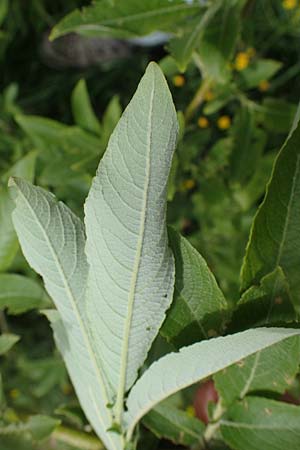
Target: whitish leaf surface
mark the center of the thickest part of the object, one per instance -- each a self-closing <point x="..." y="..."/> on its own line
<point x="125" y="19"/>
<point x="132" y="268"/>
<point x="19" y="293"/>
<point x="272" y="369"/>
<point x="199" y="307"/>
<point x="275" y="234"/>
<point x="52" y="239"/>
<point x="262" y="423"/>
<point x="176" y="371"/>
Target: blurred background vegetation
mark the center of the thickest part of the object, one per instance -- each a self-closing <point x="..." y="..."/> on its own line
<point x="236" y="94"/>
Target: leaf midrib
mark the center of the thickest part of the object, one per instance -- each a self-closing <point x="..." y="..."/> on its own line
<point x="119" y="21"/>
<point x="137" y="260"/>
<point x="75" y="309"/>
<point x="288" y="215"/>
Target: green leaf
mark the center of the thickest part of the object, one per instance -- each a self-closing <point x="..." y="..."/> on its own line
<point x="47" y="133"/>
<point x="2" y="396"/>
<point x="127" y="242"/>
<point x="276" y="115"/>
<point x="275" y="235"/>
<point x="248" y="194"/>
<point x="262" y="423"/>
<point x="3" y="10"/>
<point x="52" y="239"/>
<point x="175" y="425"/>
<point x="125" y="19"/>
<point x="110" y="119"/>
<point x="7" y="341"/>
<point x="248" y="145"/>
<point x="273" y="370"/>
<point x="20" y="294"/>
<point x="219" y="40"/>
<point x="194" y="363"/>
<point x="8" y="240"/>
<point x="199" y="308"/>
<point x="182" y="47"/>
<point x="82" y="109"/>
<point x="267" y="303"/>
<point x="260" y="70"/>
<point x="39" y="427"/>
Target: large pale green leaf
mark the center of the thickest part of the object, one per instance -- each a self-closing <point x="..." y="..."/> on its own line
<point x="260" y="423"/>
<point x="131" y="266"/>
<point x="19" y="293"/>
<point x="52" y="239"/>
<point x="8" y="240"/>
<point x="275" y="235"/>
<point x="125" y="19"/>
<point x="199" y="307"/>
<point x="191" y="364"/>
<point x="272" y="369"/>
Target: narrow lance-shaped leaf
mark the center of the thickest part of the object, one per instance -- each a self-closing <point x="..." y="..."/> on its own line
<point x="131" y="266"/>
<point x="275" y="234"/>
<point x="169" y="422"/>
<point x="52" y="239"/>
<point x="182" y="47"/>
<point x="191" y="364"/>
<point x="199" y="309"/>
<point x="124" y="19"/>
<point x="262" y="423"/>
<point x="19" y="293"/>
<point x="272" y="369"/>
<point x="82" y="109"/>
<point x="8" y="240"/>
<point x="7" y="341"/>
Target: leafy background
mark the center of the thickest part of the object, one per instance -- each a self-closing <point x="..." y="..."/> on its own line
<point x="233" y="69"/>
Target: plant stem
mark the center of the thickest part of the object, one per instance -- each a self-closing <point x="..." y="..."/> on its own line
<point x="197" y="99"/>
<point x="215" y="423"/>
<point x="76" y="439"/>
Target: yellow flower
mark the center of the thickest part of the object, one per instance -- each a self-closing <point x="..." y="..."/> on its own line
<point x="203" y="122"/>
<point x="14" y="393"/>
<point x="178" y="80"/>
<point x="208" y="96"/>
<point x="190" y="410"/>
<point x="264" y="85"/>
<point x="289" y="4"/>
<point x="224" y="122"/>
<point x="242" y="60"/>
<point x="188" y="184"/>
